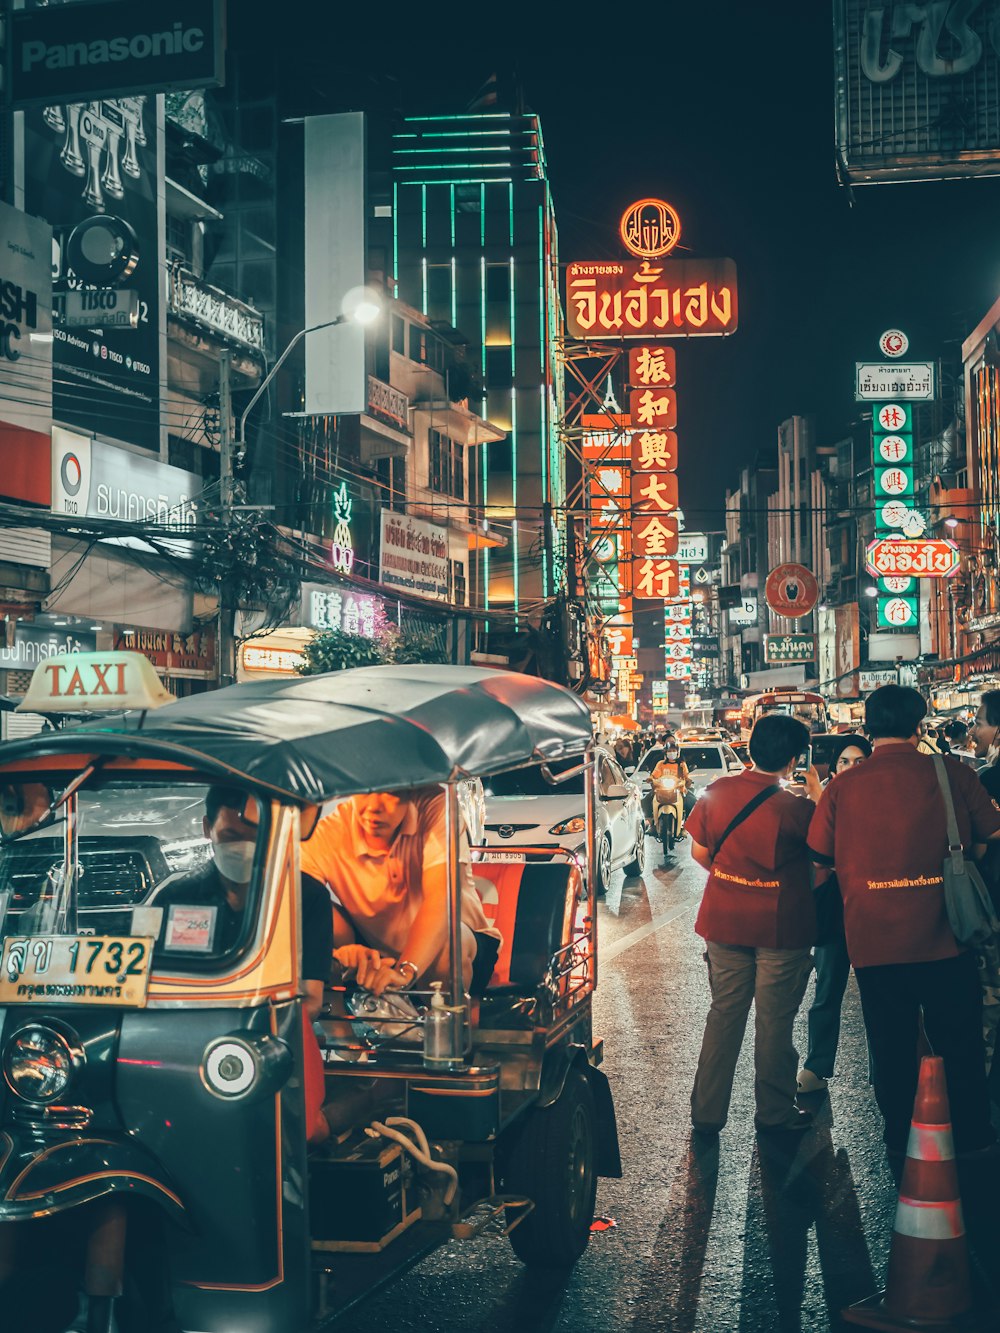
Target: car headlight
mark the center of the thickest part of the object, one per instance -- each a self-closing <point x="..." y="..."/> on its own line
<point x="575" y="825"/>
<point x="38" y="1064"/>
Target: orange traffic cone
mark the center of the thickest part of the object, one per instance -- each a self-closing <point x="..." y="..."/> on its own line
<point x="928" y="1284"/>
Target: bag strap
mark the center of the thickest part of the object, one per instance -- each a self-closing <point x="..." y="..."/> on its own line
<point x="954" y="840"/>
<point x="765" y="794"/>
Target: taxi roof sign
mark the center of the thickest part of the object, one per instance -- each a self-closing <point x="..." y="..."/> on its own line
<point x="94" y="683"/>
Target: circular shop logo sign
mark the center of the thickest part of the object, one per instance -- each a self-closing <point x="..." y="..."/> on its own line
<point x="791" y="591"/>
<point x="894" y="342"/>
<point x="71" y="474"/>
<point x="650" y="228"/>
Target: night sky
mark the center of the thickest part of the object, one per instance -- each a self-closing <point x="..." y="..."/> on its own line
<point x="725" y="109"/>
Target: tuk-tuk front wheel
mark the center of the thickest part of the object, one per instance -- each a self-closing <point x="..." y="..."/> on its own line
<point x="552" y="1161"/>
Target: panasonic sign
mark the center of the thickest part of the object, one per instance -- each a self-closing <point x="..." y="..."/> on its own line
<point x="67" y="53"/>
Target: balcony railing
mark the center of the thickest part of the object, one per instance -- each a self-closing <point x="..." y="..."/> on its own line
<point x="189" y="297"/>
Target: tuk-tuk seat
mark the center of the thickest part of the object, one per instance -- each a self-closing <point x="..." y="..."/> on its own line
<point x="532" y="904"/>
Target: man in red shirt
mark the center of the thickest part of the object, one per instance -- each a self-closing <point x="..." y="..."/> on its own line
<point x="758" y="920"/>
<point x="882" y="827"/>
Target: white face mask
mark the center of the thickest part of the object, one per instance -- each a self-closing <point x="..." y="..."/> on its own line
<point x="234" y="860"/>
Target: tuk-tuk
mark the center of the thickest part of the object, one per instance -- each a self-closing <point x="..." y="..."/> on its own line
<point x="154" y="1060"/>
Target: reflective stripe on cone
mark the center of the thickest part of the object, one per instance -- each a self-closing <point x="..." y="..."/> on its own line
<point x="929" y="1221"/>
<point x="930" y="1143"/>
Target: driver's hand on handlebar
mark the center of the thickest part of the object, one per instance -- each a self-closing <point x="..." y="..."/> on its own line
<point x="365" y="963"/>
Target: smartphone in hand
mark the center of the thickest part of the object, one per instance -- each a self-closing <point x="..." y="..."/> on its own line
<point x="804" y="764"/>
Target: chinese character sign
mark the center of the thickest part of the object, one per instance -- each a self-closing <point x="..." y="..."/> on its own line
<point x="655" y="579"/>
<point x="654" y="535"/>
<point x="653" y="409"/>
<point x="654" y="493"/>
<point x="652" y="367"/>
<point x="651" y="298"/>
<point x="654" y="450"/>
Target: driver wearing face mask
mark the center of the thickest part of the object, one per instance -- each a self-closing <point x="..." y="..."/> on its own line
<point x="203" y="911"/>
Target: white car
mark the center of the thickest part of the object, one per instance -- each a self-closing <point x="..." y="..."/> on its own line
<point x="525" y="810"/>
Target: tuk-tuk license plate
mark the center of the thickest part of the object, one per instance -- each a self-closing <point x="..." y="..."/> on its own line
<point x="503" y="856"/>
<point x="75" y="969"/>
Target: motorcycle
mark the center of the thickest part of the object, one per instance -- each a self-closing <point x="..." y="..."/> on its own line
<point x="668" y="822"/>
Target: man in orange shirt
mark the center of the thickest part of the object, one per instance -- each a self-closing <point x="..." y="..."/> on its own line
<point x="383" y="856"/>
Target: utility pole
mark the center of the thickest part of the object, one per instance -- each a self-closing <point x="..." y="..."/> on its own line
<point x="227" y="582"/>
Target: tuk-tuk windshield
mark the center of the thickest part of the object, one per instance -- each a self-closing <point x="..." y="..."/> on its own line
<point x="175" y="862"/>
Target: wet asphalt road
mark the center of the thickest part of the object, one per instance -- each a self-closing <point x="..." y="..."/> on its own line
<point x="735" y="1235"/>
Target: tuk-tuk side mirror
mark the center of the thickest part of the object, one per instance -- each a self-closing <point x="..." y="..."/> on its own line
<point x="23" y="805"/>
<point x="308" y="819"/>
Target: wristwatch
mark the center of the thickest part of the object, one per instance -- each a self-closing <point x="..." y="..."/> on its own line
<point x="414" y="971"/>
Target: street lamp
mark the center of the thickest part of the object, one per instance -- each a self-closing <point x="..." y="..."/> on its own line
<point x="361" y="306"/>
<point x="951" y="522"/>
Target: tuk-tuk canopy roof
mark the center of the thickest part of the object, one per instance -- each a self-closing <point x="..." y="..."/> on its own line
<point x="315" y="738"/>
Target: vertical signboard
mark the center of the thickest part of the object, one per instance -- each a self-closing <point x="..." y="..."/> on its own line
<point x="104" y="159"/>
<point x="25" y="356"/>
<point x="335" y="260"/>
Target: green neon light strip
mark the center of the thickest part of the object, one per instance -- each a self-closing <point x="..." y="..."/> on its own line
<point x="469" y="148"/>
<point x="471" y="115"/>
<point x="454" y="294"/>
<point x="513" y="335"/>
<point x="457" y="180"/>
<point x="482" y="224"/>
<point x="541" y="293"/>
<point x="423" y="216"/>
<point x="451" y="194"/>
<point x="423" y="283"/>
<point x="514" y="543"/>
<point x="510" y="210"/>
<point x="395" y="240"/>
<point x="482" y="321"/>
<point x="457" y="134"/>
<point x="543" y="436"/>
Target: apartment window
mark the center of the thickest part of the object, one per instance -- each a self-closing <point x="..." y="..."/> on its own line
<point x="178" y="239"/>
<point x="445" y="465"/>
<point x="399" y="334"/>
<point x="498" y="283"/>
<point x="439" y="292"/>
<point x="498" y="371"/>
<point x="459" y="592"/>
<point x="467" y="198"/>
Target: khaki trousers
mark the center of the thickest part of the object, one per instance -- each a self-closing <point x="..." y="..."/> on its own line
<point x="774" y="980"/>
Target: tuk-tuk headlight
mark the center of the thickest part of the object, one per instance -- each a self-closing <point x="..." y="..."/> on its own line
<point x="38" y="1064"/>
<point x="230" y="1069"/>
<point x="242" y="1064"/>
<point x="575" y="825"/>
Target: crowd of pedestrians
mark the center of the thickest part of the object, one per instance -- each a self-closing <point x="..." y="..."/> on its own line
<point x="845" y="874"/>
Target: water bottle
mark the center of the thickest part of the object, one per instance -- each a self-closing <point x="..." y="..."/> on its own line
<point x="440" y="1051"/>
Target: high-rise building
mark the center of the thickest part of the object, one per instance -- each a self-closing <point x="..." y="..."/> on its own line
<point x="474" y="247"/>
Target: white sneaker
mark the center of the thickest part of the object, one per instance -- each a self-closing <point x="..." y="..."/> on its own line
<point x="807" y="1081"/>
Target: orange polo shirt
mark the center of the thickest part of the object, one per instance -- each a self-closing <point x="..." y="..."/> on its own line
<point x="758" y="893"/>
<point x="882" y="826"/>
<point x="381" y="890"/>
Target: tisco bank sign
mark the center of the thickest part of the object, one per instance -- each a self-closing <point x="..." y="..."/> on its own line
<point x="95" y="480"/>
<point x="82" y="52"/>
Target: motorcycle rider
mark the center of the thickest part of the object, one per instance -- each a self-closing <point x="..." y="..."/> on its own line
<point x="670" y="766"/>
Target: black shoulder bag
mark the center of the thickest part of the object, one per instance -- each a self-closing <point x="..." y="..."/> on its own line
<point x="764" y="794"/>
